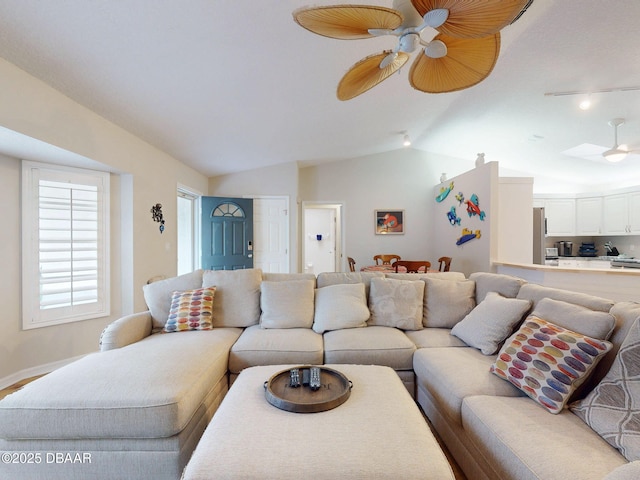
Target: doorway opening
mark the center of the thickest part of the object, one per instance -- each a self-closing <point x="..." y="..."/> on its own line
<point x="322" y="241"/>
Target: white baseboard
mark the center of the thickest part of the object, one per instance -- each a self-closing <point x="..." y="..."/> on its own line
<point x="33" y="371"/>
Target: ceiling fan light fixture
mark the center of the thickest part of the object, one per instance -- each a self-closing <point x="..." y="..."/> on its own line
<point x="436" y="17"/>
<point x="409" y="42"/>
<point x="615" y="155"/>
<point x="436" y="49"/>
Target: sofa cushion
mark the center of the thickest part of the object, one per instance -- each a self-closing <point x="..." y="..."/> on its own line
<point x="505" y="285"/>
<point x="157" y="295"/>
<point x="612" y="409"/>
<point x="548" y="362"/>
<point x="284" y="277"/>
<point x="491" y="322"/>
<point x="447" y="302"/>
<point x="259" y="346"/>
<point x="373" y="345"/>
<point x="451" y="374"/>
<point x="287" y="304"/>
<point x="434" y="337"/>
<point x="576" y="317"/>
<point x="396" y="303"/>
<point x="455" y="276"/>
<point x="237" y="302"/>
<point x="336" y="278"/>
<point x="340" y="306"/>
<point x="536" y="293"/>
<point x="149" y="389"/>
<point x="190" y="310"/>
<point x="522" y="441"/>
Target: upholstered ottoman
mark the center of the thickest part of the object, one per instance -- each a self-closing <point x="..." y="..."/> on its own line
<point x="378" y="433"/>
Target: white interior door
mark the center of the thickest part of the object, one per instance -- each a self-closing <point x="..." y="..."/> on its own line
<point x="271" y="234"/>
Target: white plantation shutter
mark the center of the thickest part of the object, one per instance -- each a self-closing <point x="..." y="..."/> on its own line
<point x="65" y="251"/>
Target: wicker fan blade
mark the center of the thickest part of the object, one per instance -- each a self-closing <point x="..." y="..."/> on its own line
<point x="474" y="19"/>
<point x="467" y="62"/>
<point x="367" y="73"/>
<point x="347" y="22"/>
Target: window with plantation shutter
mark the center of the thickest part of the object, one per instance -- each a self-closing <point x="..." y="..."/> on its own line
<point x="65" y="244"/>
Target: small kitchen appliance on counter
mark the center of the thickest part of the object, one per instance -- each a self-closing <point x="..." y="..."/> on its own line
<point x="565" y="249"/>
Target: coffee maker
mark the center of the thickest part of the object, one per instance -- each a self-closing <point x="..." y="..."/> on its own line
<point x="565" y="249"/>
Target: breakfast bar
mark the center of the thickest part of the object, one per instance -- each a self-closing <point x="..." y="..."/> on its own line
<point x="618" y="284"/>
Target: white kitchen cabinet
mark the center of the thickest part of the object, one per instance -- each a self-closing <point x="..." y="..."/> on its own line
<point x="589" y="216"/>
<point x="561" y="216"/>
<point x="634" y="213"/>
<point x="622" y="214"/>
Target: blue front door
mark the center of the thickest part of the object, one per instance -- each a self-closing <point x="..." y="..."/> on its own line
<point x="227" y="233"/>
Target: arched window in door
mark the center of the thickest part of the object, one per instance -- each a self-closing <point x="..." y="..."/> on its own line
<point x="228" y="209"/>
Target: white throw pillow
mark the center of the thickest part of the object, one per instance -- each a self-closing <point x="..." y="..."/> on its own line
<point x="491" y="322"/>
<point x="340" y="306"/>
<point x="287" y="304"/>
<point x="576" y="317"/>
<point x="396" y="303"/>
<point x="447" y="302"/>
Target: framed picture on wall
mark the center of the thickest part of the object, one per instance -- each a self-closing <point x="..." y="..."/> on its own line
<point x="389" y="222"/>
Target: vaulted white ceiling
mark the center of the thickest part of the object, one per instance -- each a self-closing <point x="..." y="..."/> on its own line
<point x="230" y="85"/>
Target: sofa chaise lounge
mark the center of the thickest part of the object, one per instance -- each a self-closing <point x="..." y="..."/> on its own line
<point x="138" y="408"/>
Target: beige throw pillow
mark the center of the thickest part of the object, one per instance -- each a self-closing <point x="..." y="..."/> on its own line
<point x="340" y="306"/>
<point x="491" y="322"/>
<point x="237" y="302"/>
<point x="447" y="302"/>
<point x="396" y="303"/>
<point x="287" y="304"/>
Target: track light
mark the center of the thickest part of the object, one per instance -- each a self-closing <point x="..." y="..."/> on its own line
<point x="585" y="104"/>
<point x="407" y="141"/>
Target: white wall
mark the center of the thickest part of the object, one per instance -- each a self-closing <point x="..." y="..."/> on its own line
<point x="38" y="112"/>
<point x="401" y="179"/>
<point x="474" y="255"/>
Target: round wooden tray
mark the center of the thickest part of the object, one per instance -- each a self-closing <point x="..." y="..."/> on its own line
<point x="334" y="391"/>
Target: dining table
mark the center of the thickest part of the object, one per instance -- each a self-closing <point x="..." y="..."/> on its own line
<point x="388" y="269"/>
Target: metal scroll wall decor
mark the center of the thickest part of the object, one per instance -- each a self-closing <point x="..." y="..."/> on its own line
<point x="156" y="214"/>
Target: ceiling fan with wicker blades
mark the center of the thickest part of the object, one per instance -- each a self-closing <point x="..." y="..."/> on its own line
<point x="462" y="54"/>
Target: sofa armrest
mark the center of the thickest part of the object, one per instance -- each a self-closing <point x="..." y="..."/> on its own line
<point x="126" y="330"/>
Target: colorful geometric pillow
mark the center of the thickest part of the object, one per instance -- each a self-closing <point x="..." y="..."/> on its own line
<point x="548" y="362"/>
<point x="612" y="409"/>
<point x="191" y="310"/>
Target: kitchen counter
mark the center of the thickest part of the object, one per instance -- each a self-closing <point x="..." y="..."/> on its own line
<point x="618" y="284"/>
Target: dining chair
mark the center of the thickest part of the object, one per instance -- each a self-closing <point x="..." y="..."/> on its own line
<point x="352" y="264"/>
<point x="385" y="259"/>
<point x="412" y="266"/>
<point x="445" y="264"/>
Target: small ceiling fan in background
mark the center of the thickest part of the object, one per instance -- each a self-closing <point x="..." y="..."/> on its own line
<point x="462" y="54"/>
<point x="617" y="153"/>
<point x="598" y="153"/>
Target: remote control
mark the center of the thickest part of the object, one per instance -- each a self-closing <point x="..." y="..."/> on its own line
<point x="314" y="381"/>
<point x="294" y="378"/>
<point x="305" y="377"/>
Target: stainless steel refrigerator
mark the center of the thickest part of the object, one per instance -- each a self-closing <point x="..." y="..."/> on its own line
<point x="539" y="232"/>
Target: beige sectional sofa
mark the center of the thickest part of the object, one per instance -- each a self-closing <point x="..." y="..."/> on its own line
<point x="138" y="408"/>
